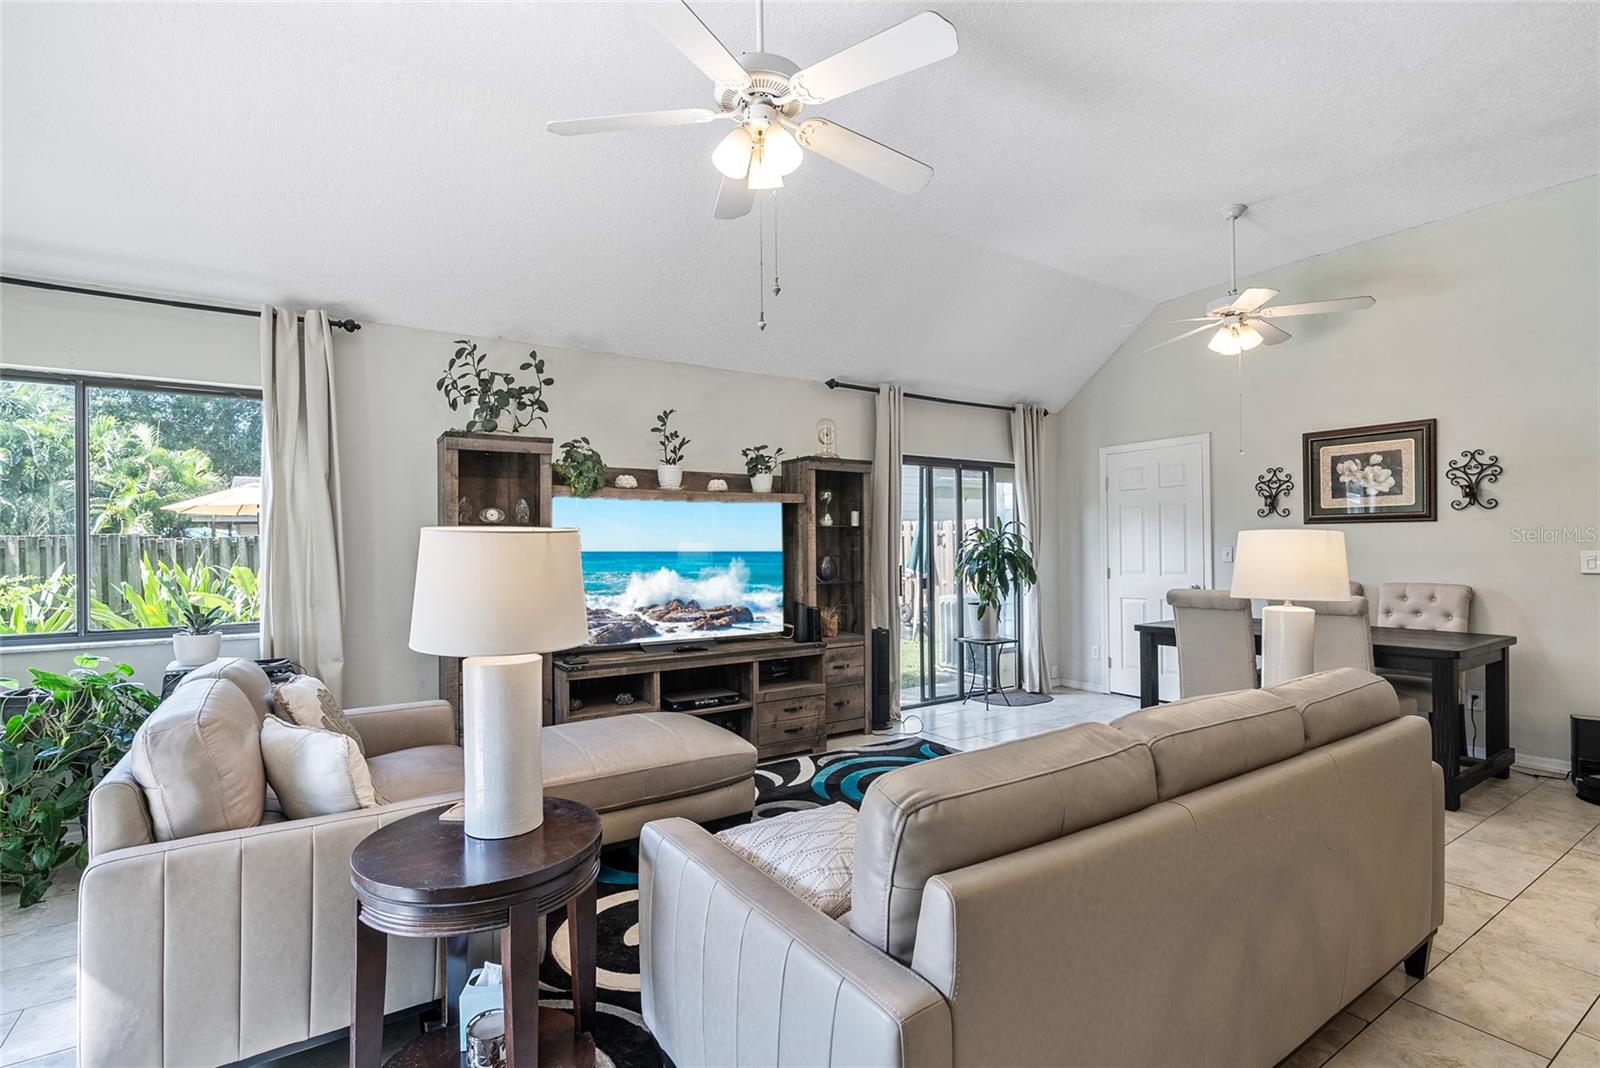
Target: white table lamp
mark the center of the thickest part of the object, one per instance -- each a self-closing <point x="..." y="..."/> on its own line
<point x="499" y="596"/>
<point x="1289" y="566"/>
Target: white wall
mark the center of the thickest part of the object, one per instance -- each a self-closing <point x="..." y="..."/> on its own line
<point x="1485" y="321"/>
<point x="390" y="417"/>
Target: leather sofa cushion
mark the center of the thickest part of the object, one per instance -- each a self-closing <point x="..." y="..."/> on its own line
<point x="807" y="852"/>
<point x="406" y="774"/>
<point x="245" y="674"/>
<point x="198" y="761"/>
<point x="933" y="817"/>
<point x="1337" y="704"/>
<point x="622" y="761"/>
<point x="1208" y="739"/>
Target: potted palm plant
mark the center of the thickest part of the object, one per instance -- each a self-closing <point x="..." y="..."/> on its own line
<point x="994" y="562"/>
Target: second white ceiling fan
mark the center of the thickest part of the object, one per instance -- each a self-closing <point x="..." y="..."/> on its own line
<point x="763" y="94"/>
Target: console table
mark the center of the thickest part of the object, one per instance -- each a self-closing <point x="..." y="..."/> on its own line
<point x="1440" y="655"/>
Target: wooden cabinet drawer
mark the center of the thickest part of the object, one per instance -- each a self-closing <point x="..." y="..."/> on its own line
<point x="847" y="704"/>
<point x="789" y="720"/>
<point x="845" y="662"/>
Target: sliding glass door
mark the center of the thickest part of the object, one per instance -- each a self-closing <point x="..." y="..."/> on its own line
<point x="940" y="500"/>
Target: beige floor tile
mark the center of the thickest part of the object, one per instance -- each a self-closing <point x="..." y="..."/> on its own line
<point x="1552" y="926"/>
<point x="1333" y="1037"/>
<point x="1591" y="1023"/>
<point x="42" y="944"/>
<point x="1465" y="910"/>
<point x="59" y="906"/>
<point x="1411" y="1036"/>
<point x="1459" y="823"/>
<point x="66" y="1058"/>
<point x="1590" y="844"/>
<point x="1382" y="994"/>
<point x="28" y="985"/>
<point x="8" y="1020"/>
<point x="1579" y="1052"/>
<point x="1512" y="994"/>
<point x="1558" y="794"/>
<point x="1576" y="875"/>
<point x="40" y="1030"/>
<point x="1490" y="869"/>
<point x="1543" y="830"/>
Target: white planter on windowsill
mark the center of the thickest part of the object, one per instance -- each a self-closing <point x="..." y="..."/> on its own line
<point x="669" y="476"/>
<point x="196" y="650"/>
<point x="761" y="483"/>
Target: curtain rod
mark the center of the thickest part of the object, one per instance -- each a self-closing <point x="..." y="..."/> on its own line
<point x="834" y="383"/>
<point x="349" y="325"/>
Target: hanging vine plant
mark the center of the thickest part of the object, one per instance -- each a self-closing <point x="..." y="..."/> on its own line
<point x="495" y="398"/>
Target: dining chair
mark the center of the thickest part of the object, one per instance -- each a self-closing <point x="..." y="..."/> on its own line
<point x="1422" y="606"/>
<point x="1216" y="642"/>
<point x="1343" y="638"/>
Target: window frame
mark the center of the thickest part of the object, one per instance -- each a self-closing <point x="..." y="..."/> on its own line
<point x="81" y="384"/>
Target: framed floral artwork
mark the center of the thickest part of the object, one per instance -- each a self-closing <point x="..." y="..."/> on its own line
<point x="1371" y="474"/>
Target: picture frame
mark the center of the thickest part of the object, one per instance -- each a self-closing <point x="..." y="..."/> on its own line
<point x="1384" y="473"/>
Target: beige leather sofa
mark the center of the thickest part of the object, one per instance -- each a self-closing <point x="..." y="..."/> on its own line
<point x="1202" y="883"/>
<point x="210" y="948"/>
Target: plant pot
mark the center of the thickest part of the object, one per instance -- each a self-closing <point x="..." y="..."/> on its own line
<point x="761" y="483"/>
<point x="196" y="650"/>
<point x="987" y="626"/>
<point x="669" y="476"/>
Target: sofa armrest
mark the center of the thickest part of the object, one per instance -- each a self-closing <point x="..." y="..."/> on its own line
<point x="389" y="728"/>
<point x="220" y="947"/>
<point x="737" y="970"/>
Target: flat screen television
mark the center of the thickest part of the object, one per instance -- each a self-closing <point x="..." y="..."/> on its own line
<point x="677" y="570"/>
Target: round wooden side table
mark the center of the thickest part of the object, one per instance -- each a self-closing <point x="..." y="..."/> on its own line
<point x="423" y="877"/>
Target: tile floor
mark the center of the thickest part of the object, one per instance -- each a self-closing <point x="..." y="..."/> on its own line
<point x="1514" y="979"/>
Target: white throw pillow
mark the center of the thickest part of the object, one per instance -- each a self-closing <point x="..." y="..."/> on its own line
<point x="315" y="772"/>
<point x="303" y="699"/>
<point x="808" y="852"/>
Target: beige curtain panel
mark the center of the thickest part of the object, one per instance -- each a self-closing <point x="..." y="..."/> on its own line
<point x="1027" y="451"/>
<point x="886" y="531"/>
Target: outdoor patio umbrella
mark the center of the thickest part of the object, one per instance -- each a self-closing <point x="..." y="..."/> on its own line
<point x="233" y="501"/>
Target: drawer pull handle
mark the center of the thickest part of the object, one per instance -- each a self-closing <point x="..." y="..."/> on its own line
<point x="793" y="708"/>
<point x="793" y="730"/>
<point x="840" y="704"/>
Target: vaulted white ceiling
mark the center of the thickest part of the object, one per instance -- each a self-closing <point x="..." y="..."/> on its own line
<point x="389" y="161"/>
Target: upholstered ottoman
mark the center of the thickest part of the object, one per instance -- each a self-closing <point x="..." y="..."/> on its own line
<point x="636" y="768"/>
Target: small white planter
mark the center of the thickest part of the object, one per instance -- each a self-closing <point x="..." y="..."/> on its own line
<point x="669" y="476"/>
<point x="761" y="483"/>
<point x="987" y="626"/>
<point x="196" y="650"/>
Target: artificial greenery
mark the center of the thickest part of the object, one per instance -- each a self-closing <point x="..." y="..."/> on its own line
<point x="198" y="619"/>
<point x="580" y="467"/>
<point x="995" y="561"/>
<point x="73" y="728"/>
<point x="758" y="461"/>
<point x="491" y="395"/>
<point x="672" y="443"/>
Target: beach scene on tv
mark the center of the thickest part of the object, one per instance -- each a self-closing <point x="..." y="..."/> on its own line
<point x="677" y="570"/>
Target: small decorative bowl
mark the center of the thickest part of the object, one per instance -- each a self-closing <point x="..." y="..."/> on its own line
<point x="717" y="485"/>
<point x="627" y="482"/>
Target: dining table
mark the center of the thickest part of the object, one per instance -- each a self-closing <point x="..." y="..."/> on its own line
<point x="1439" y="656"/>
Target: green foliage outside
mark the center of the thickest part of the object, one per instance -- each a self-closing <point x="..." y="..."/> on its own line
<point x="159" y="600"/>
<point x="69" y="732"/>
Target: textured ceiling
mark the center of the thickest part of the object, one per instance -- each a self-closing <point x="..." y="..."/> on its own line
<point x="390" y="162"/>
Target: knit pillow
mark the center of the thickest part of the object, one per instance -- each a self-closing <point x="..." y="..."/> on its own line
<point x="809" y="852"/>
<point x="303" y="699"/>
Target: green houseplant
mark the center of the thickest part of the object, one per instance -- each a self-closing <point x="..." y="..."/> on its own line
<point x="491" y="395"/>
<point x="995" y="561"/>
<point x="669" y="473"/>
<point x="759" y="465"/>
<point x="580" y="467"/>
<point x="198" y="641"/>
<point x="61" y="735"/>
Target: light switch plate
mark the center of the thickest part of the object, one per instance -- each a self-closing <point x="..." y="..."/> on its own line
<point x="1094" y="653"/>
<point x="1227" y="554"/>
<point x="1589" y="562"/>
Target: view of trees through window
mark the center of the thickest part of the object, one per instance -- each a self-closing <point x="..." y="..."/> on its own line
<point x="173" y="485"/>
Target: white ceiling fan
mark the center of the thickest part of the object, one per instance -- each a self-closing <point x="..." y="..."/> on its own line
<point x="763" y="94"/>
<point x="1241" y="319"/>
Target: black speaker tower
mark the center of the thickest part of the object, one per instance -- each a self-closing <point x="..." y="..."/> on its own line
<point x="880" y="679"/>
<point x="1586" y="757"/>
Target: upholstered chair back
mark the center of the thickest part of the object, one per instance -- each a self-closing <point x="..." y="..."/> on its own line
<point x="1424" y="606"/>
<point x="1216" y="645"/>
<point x="1343" y="638"/>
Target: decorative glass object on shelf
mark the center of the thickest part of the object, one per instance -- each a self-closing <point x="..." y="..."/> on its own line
<point x="827" y="516"/>
<point x="827" y="569"/>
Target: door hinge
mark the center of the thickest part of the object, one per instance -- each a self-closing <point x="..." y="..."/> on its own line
<point x="1108" y="572"/>
<point x="1108" y="662"/>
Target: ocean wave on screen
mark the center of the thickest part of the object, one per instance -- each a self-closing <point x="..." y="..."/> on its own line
<point x="713" y="586"/>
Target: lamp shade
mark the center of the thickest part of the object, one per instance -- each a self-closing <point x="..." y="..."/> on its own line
<point x="1292" y="565"/>
<point x="498" y="591"/>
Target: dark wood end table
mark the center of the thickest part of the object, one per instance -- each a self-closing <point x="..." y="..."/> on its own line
<point x="422" y="877"/>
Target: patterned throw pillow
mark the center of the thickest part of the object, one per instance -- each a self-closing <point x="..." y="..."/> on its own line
<point x="315" y="772"/>
<point x="304" y="700"/>
<point x="808" y="853"/>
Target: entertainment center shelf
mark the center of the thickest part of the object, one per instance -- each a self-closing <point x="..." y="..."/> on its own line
<point x="693" y="488"/>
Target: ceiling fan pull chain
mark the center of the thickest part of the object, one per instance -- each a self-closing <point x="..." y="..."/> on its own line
<point x="776" y="288"/>
<point x="1238" y="384"/>
<point x="761" y="262"/>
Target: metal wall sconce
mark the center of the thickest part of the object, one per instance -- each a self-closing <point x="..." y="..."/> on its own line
<point x="1272" y="487"/>
<point x="1469" y="474"/>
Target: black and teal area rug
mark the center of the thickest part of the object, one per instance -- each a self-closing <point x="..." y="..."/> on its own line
<point x="781" y="786"/>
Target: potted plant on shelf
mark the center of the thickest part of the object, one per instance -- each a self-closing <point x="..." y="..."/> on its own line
<point x="62" y="734"/>
<point x="669" y="473"/>
<point x="995" y="562"/>
<point x="759" y="465"/>
<point x="494" y="397"/>
<point x="199" y="642"/>
<point x="580" y="467"/>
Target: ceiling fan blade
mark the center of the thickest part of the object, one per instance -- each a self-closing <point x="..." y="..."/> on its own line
<point x="1180" y="337"/>
<point x="637" y="120"/>
<point x="1270" y="335"/>
<point x="1250" y="300"/>
<point x="1317" y="307"/>
<point x="863" y="155"/>
<point x="734" y="199"/>
<point x="684" y="30"/>
<point x="916" y="42"/>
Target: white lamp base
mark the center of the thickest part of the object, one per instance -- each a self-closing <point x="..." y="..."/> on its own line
<point x="1287" y="642"/>
<point x="501" y="710"/>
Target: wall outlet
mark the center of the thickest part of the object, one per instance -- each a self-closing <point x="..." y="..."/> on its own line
<point x="1474" y="702"/>
<point x="1094" y="654"/>
<point x="1589" y="562"/>
<point x="1227" y="554"/>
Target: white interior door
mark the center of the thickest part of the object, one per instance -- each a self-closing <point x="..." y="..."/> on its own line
<point x="1157" y="508"/>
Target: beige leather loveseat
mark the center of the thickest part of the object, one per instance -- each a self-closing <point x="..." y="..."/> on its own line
<point x="1203" y="883"/>
<point x="204" y="946"/>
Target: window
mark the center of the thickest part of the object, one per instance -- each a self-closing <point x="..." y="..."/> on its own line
<point x="122" y="501"/>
